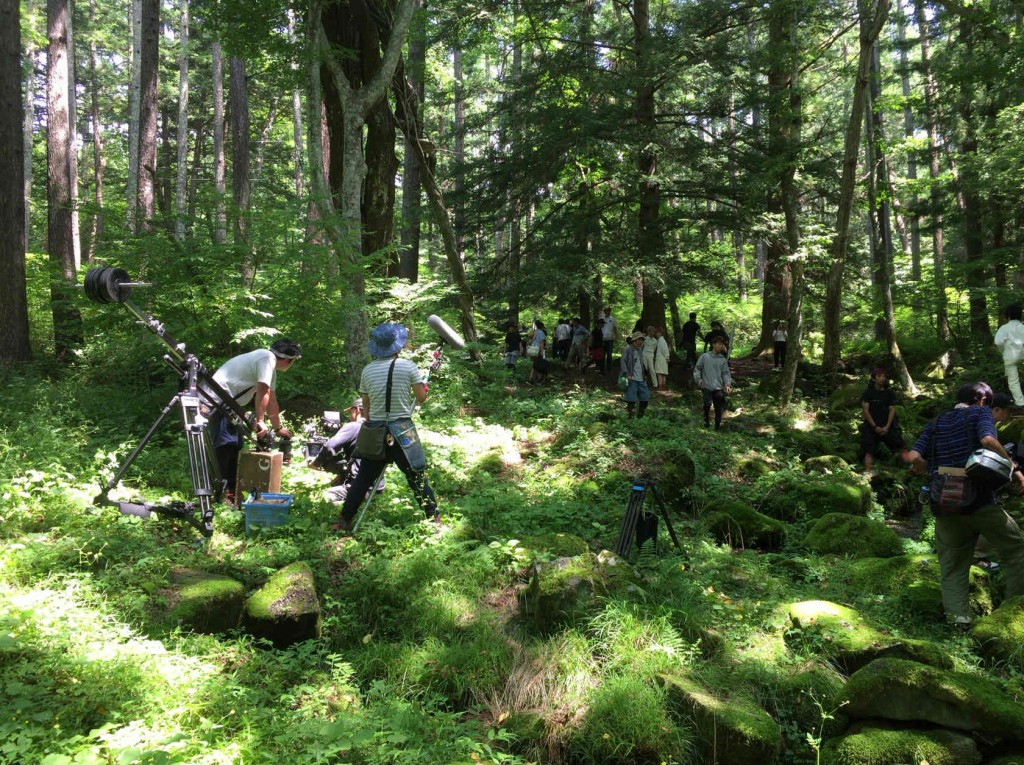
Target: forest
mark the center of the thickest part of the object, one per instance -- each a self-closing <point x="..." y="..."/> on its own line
<point x="842" y="170"/>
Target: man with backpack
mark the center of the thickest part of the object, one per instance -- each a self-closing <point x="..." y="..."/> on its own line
<point x="964" y="507"/>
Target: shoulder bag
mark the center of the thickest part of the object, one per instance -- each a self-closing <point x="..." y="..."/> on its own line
<point x="372" y="438"/>
<point x="953" y="492"/>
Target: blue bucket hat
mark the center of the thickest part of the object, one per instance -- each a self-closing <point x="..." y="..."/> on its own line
<point x="387" y="339"/>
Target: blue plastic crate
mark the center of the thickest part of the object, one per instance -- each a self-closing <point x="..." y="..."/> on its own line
<point x="266" y="512"/>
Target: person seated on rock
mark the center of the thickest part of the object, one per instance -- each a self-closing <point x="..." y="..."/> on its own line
<point x="880" y="425"/>
<point x="941" y="451"/>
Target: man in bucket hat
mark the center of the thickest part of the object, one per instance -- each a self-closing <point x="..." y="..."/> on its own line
<point x="391" y="409"/>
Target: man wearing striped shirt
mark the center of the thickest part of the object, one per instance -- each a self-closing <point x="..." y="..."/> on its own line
<point x="947" y="442"/>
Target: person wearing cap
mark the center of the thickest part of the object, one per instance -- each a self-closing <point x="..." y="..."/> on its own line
<point x="878" y="405"/>
<point x="947" y="442"/>
<point x="402" y="442"/>
<point x="336" y="455"/>
<point x="632" y="368"/>
<point x="251" y="378"/>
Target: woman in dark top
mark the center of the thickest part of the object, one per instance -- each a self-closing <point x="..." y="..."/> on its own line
<point x="880" y="424"/>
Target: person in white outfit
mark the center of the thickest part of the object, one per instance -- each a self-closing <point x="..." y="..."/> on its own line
<point x="1010" y="340"/>
<point x="649" y="349"/>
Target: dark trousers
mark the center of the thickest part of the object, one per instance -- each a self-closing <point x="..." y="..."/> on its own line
<point x="691" y="353"/>
<point x="779" y="353"/>
<point x="714" y="398"/>
<point x="370" y="471"/>
<point x="869" y="439"/>
<point x="606" y="362"/>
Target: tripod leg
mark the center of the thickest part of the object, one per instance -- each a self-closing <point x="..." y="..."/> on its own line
<point x="367" y="502"/>
<point x="629" y="521"/>
<point x="668" y="521"/>
<point x="198" y="449"/>
<point x="123" y="467"/>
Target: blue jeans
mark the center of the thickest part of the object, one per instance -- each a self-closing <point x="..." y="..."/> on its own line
<point x="637" y="390"/>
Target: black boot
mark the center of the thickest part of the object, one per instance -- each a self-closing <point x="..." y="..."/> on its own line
<point x="643" y="408"/>
<point x="630" y="413"/>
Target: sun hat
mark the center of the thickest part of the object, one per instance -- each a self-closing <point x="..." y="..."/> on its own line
<point x="387" y="339"/>
<point x="636" y="336"/>
<point x="286" y="349"/>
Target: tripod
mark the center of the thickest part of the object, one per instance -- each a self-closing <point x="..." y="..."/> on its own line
<point x="640" y="524"/>
<point x="198" y="397"/>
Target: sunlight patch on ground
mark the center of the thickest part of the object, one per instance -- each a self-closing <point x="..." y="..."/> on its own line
<point x="475" y="440"/>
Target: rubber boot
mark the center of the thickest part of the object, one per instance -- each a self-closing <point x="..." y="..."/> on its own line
<point x="630" y="407"/>
<point x="643" y="408"/>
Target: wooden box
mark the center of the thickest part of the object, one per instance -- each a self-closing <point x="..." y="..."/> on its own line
<point x="259" y="472"/>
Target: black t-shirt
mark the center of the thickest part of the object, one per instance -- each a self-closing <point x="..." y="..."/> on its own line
<point x="879" y="402"/>
<point x="513" y="342"/>
<point x="690" y="331"/>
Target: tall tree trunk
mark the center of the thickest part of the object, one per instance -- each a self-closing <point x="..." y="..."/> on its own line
<point x="650" y="238"/>
<point x="148" y="110"/>
<point x="29" y="109"/>
<point x="908" y="133"/>
<point x="76" y="236"/>
<point x="195" y="173"/>
<point x="99" y="162"/>
<point x="264" y="139"/>
<point x="409" y="258"/>
<point x="67" y="321"/>
<point x="14" y="334"/>
<point x="162" y="181"/>
<point x="870" y="28"/>
<point x="240" y="186"/>
<point x="459" y="154"/>
<point x="181" y="185"/>
<point x="297" y="147"/>
<point x="880" y="207"/>
<point x="934" y="173"/>
<point x="134" y="115"/>
<point x="220" y="228"/>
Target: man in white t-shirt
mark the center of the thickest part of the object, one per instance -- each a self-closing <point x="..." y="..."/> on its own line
<point x="250" y="377"/>
<point x="607" y="338"/>
<point x="394" y="414"/>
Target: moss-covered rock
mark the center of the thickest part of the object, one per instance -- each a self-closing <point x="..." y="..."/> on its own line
<point x="203" y="602"/>
<point x="753" y="468"/>
<point x="896" y="689"/>
<point x="732" y="727"/>
<point x="740" y="525"/>
<point x="676" y="475"/>
<point x="894" y="491"/>
<point x="561" y="592"/>
<point x="843" y="635"/>
<point x="872" y="745"/>
<point x="913" y="580"/>
<point x="1000" y="635"/>
<point x="794" y="496"/>
<point x="555" y="544"/>
<point x="798" y="698"/>
<point x="846" y="396"/>
<point x="855" y="535"/>
<point x="826" y="463"/>
<point x="286" y="609"/>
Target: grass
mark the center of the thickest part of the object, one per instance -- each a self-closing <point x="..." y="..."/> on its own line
<point x="423" y="658"/>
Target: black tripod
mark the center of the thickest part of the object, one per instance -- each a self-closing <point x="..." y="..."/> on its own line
<point x="641" y="524"/>
<point x="199" y="398"/>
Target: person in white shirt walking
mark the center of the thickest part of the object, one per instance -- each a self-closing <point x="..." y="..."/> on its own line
<point x="779" y="338"/>
<point x="608" y="338"/>
<point x="1010" y="340"/>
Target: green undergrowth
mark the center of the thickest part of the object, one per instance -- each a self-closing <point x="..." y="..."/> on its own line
<point x="424" y="657"/>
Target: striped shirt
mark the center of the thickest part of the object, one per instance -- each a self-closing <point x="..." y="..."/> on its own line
<point x="374" y="383"/>
<point x="957" y="433"/>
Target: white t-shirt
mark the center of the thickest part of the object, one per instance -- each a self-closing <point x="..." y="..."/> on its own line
<point x="1010" y="340"/>
<point x="239" y="375"/>
<point x="780" y="335"/>
<point x="562" y="332"/>
<point x="374" y="382"/>
<point x="608" y="328"/>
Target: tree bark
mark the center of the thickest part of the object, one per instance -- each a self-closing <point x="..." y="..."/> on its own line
<point x="67" y="321"/>
<point x="934" y="174"/>
<point x="98" y="160"/>
<point x="297" y="145"/>
<point x="27" y="128"/>
<point x="908" y="133"/>
<point x="14" y="328"/>
<point x="148" y="111"/>
<point x="870" y="28"/>
<point x="883" y="241"/>
<point x="181" y="185"/>
<point x="134" y="97"/>
<point x="240" y="185"/>
<point x="76" y="229"/>
<point x="412" y="185"/>
<point x="459" y="153"/>
<point x="220" y="227"/>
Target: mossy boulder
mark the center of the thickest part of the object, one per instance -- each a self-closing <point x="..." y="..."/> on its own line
<point x="897" y="689"/>
<point x="733" y="728"/>
<point x="855" y="535"/>
<point x="843" y="635"/>
<point x="203" y="602"/>
<point x="846" y="396"/>
<point x="826" y="463"/>
<point x="561" y="592"/>
<point x="797" y="698"/>
<point x="1000" y="635"/>
<point x="753" y="468"/>
<point x="286" y="609"/>
<point x="676" y="475"/>
<point x="795" y="496"/>
<point x="873" y="745"/>
<point x="913" y="581"/>
<point x="894" y="491"/>
<point x="739" y="525"/>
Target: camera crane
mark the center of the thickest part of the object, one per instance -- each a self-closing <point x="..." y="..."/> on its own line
<point x="199" y="396"/>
